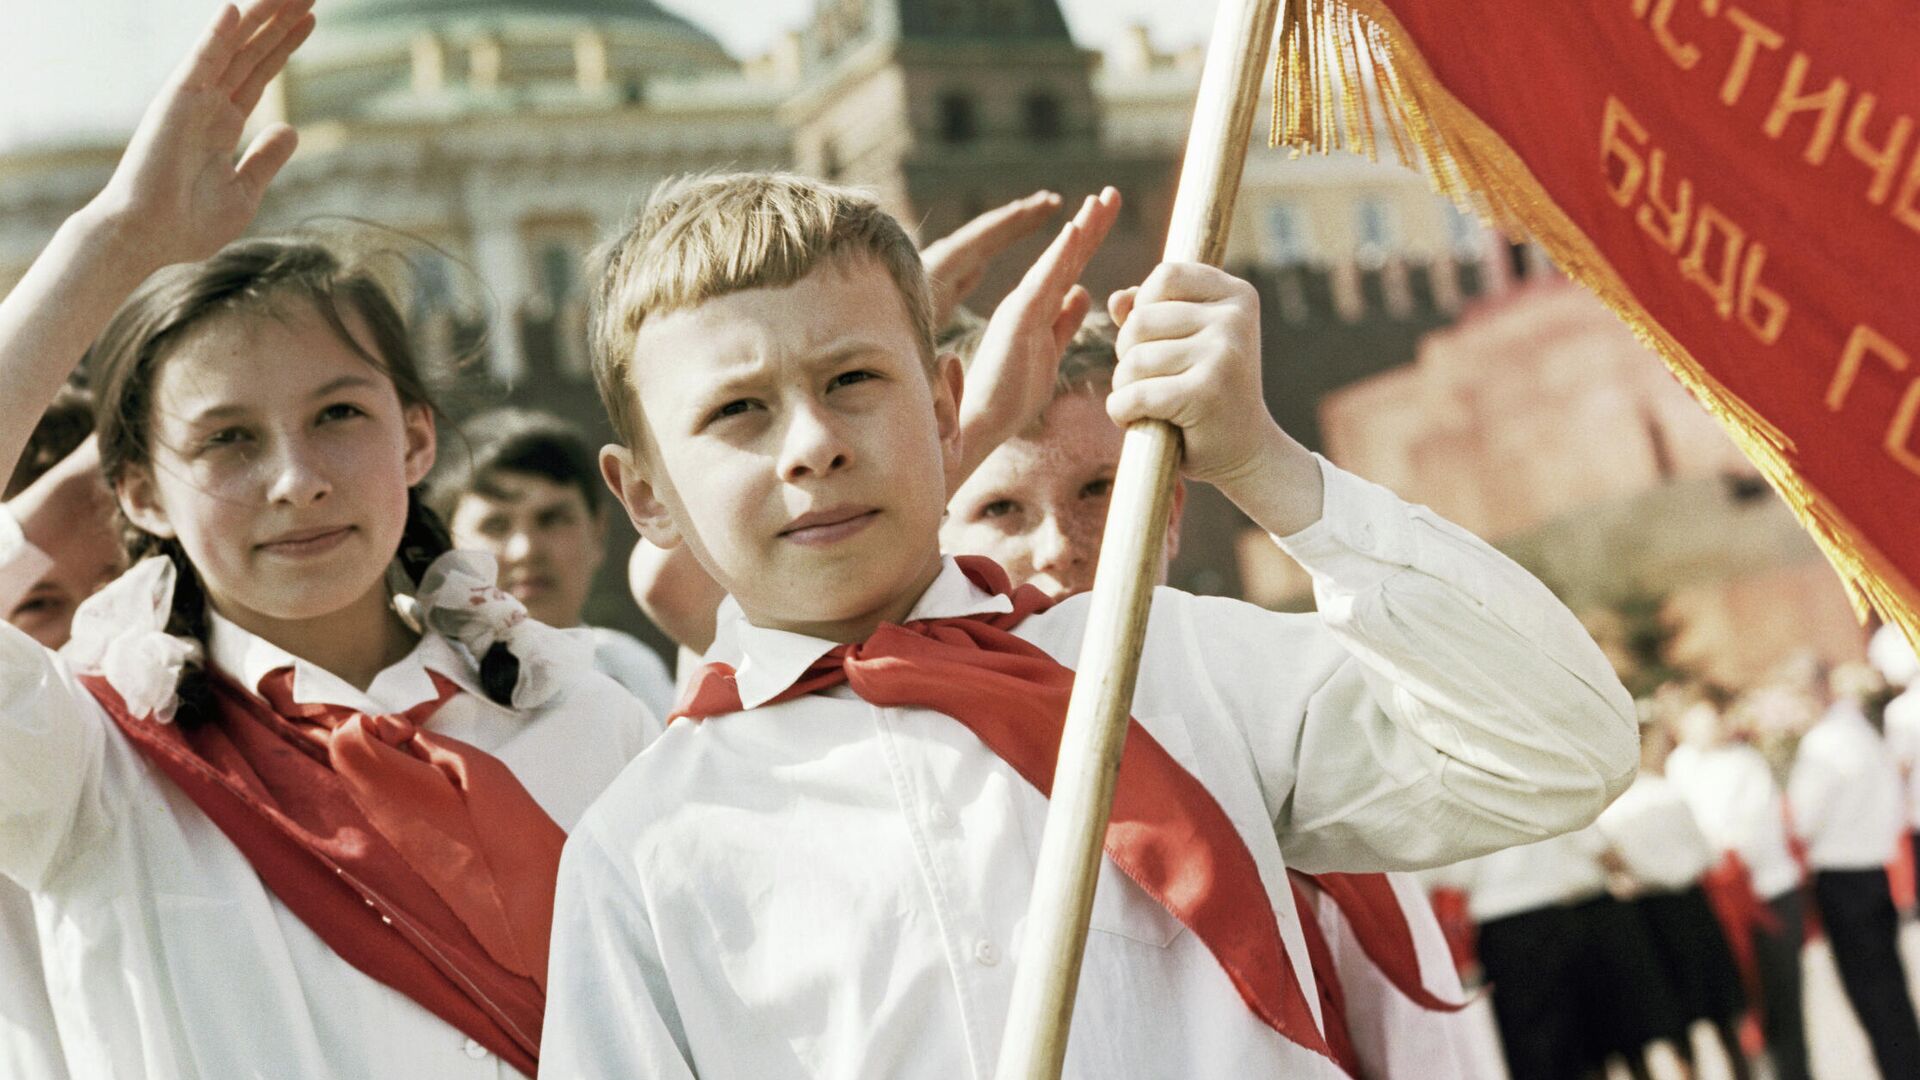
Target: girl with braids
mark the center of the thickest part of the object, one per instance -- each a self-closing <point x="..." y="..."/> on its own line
<point x="291" y="801"/>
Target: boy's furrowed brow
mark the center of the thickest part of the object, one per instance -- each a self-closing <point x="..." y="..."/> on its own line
<point x="839" y="352"/>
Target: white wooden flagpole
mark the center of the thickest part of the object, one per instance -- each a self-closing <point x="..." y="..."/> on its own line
<point x="1035" y="1044"/>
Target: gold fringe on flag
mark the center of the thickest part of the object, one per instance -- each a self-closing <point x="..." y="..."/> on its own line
<point x="1347" y="71"/>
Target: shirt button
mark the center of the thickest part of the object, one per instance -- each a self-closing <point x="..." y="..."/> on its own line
<point x="985" y="954"/>
<point x="1363" y="537"/>
<point x="942" y="817"/>
<point x="474" y="1050"/>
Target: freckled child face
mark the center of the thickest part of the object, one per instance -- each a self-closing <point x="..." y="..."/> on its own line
<point x="798" y="444"/>
<point x="1038" y="504"/>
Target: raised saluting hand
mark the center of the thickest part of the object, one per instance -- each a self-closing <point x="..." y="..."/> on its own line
<point x="178" y="195"/>
<point x="1012" y="376"/>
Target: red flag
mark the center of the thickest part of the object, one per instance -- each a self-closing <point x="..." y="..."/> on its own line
<point x="1738" y="179"/>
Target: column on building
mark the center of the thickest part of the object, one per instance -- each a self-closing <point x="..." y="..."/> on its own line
<point x="502" y="264"/>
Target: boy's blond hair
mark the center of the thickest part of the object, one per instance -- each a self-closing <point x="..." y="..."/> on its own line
<point x="701" y="237"/>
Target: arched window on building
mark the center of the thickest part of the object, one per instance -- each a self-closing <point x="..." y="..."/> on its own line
<point x="433" y="285"/>
<point x="557" y="273"/>
<point x="958" y="124"/>
<point x="1376" y="231"/>
<point x="1043" y="116"/>
<point x="1285" y="239"/>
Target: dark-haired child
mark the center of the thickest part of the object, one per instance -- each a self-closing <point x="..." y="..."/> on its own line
<point x="290" y="801"/>
<point x="529" y="494"/>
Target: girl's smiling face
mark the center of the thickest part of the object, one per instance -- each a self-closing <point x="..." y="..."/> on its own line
<point x="280" y="460"/>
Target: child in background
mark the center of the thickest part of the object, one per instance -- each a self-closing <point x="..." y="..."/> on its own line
<point x="1739" y="806"/>
<point x="40" y="594"/>
<point x="291" y="800"/>
<point x="829" y="873"/>
<point x="527" y="493"/>
<point x="57" y="537"/>
<point x="1662" y="858"/>
<point x="1847" y="805"/>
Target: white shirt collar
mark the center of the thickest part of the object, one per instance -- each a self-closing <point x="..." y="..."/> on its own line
<point x="248" y="658"/>
<point x="766" y="661"/>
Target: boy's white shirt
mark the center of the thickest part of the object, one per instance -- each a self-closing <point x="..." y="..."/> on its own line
<point x="1845" y="793"/>
<point x="166" y="956"/>
<point x="1740" y="807"/>
<point x="827" y="888"/>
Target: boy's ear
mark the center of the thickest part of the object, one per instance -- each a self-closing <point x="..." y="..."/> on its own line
<point x="140" y="502"/>
<point x="949" y="380"/>
<point x="421" y="443"/>
<point x="629" y="483"/>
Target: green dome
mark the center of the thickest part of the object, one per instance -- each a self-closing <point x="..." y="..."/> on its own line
<point x="380" y="18"/>
<point x="365" y="12"/>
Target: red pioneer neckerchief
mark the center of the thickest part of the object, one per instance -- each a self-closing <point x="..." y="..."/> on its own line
<point x="1166" y="833"/>
<point x="419" y="860"/>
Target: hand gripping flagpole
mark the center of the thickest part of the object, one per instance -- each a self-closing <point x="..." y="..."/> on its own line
<point x="1035" y="1043"/>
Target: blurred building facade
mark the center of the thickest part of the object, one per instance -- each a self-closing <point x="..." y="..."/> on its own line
<point x="509" y="136"/>
<point x="1539" y="422"/>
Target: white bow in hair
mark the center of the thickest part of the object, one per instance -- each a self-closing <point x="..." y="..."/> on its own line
<point x="120" y="633"/>
<point x="458" y="598"/>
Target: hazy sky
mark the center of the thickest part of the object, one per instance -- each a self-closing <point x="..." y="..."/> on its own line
<point x="77" y="68"/>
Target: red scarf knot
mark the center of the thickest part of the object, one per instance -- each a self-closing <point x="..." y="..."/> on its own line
<point x="420" y="860"/>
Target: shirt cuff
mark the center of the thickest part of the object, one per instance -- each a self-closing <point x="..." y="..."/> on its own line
<point x="22" y="565"/>
<point x="1364" y="535"/>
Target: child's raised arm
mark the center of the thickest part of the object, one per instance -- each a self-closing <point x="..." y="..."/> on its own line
<point x="957" y="261"/>
<point x="176" y="196"/>
<point x="1012" y="375"/>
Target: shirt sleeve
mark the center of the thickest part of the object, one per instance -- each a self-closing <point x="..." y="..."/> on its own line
<point x="1452" y="705"/>
<point x="51" y="742"/>
<point x="22" y="565"/>
<point x="610" y="1012"/>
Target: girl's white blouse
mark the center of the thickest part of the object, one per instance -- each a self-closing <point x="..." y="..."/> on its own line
<point x="166" y="957"/>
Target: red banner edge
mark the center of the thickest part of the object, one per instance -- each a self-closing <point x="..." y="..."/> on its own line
<point x="1322" y="103"/>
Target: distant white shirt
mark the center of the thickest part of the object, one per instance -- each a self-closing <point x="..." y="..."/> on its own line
<point x="1845" y="793"/>
<point x="1653" y="830"/>
<point x="1551" y="873"/>
<point x="1741" y="809"/>
<point x="626" y="660"/>
<point x="1892" y="655"/>
<point x="29" y="1046"/>
<point x="1903" y="742"/>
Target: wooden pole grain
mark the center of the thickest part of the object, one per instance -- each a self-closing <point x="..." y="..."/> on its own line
<point x="1034" y="1046"/>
